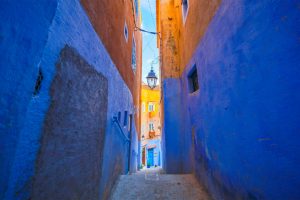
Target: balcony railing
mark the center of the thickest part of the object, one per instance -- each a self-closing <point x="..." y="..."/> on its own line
<point x="151" y="114"/>
<point x="152" y="134"/>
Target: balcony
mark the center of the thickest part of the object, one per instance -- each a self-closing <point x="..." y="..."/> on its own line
<point x="151" y="114"/>
<point x="151" y="134"/>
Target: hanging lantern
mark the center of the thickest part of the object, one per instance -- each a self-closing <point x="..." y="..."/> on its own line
<point x="151" y="79"/>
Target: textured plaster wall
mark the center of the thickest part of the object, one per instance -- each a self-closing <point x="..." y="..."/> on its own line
<point x="179" y="36"/>
<point x="172" y="129"/>
<point x="192" y="29"/>
<point x="23" y="115"/>
<point x="176" y="138"/>
<point x="243" y="123"/>
<point x="169" y="43"/>
<point x="23" y="34"/>
<point x="108" y="19"/>
<point x="70" y="157"/>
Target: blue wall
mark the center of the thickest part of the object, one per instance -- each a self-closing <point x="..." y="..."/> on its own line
<point x="171" y="136"/>
<point x="246" y="115"/>
<point x="176" y="137"/>
<point x="24" y="31"/>
<point x="32" y="36"/>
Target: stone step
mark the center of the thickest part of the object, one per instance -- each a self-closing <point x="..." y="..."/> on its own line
<point x="156" y="186"/>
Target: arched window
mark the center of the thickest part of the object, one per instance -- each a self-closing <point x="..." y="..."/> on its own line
<point x="133" y="55"/>
<point x="185" y="9"/>
<point x="126" y="31"/>
<point x="136" y="5"/>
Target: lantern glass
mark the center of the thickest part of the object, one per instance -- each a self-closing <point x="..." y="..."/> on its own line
<point x="151" y="82"/>
<point x="151" y="79"/>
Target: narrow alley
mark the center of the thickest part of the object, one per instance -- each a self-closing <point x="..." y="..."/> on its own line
<point x="149" y="99"/>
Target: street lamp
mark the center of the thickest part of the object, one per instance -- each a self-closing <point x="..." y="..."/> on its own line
<point x="151" y="79"/>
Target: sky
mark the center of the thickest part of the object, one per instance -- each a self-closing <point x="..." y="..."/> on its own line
<point x="150" y="51"/>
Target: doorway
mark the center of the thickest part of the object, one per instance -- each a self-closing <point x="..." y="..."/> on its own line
<point x="150" y="158"/>
<point x="144" y="156"/>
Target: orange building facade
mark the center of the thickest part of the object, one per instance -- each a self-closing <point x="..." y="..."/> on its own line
<point x="114" y="22"/>
<point x="181" y="29"/>
<point x="150" y="126"/>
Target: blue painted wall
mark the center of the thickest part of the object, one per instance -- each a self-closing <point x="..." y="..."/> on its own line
<point x="246" y="115"/>
<point x="32" y="36"/>
<point x="176" y="137"/>
<point x="172" y="131"/>
<point x="23" y="35"/>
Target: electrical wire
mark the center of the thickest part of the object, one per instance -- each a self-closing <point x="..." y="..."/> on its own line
<point x="138" y="28"/>
<point x="143" y="30"/>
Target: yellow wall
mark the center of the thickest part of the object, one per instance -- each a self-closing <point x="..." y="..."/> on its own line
<point x="150" y="96"/>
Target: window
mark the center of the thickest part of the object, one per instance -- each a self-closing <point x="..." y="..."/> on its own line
<point x="119" y="116"/>
<point x="193" y="80"/>
<point x="136" y="5"/>
<point x="133" y="56"/>
<point x="38" y="83"/>
<point x="185" y="9"/>
<point x="151" y="107"/>
<point x="143" y="107"/>
<point x="151" y="127"/>
<point x="126" y="31"/>
<point x="130" y="123"/>
<point x="125" y="118"/>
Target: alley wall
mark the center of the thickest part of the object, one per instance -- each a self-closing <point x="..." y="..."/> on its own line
<point x="60" y="91"/>
<point x="239" y="131"/>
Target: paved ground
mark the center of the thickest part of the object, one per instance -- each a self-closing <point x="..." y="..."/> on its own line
<point x="153" y="185"/>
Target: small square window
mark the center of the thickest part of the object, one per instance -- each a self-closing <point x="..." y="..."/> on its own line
<point x="125" y="118"/>
<point x="133" y="56"/>
<point x="126" y="31"/>
<point x="151" y="126"/>
<point x="38" y="83"/>
<point x="119" y="116"/>
<point x="151" y="107"/>
<point x="130" y="123"/>
<point x="193" y="80"/>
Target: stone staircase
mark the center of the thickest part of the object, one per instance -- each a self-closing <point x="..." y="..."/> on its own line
<point x="153" y="185"/>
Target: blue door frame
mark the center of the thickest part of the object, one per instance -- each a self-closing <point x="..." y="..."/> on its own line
<point x="150" y="158"/>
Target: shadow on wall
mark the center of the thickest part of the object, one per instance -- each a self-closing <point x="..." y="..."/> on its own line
<point x="70" y="159"/>
<point x="33" y="38"/>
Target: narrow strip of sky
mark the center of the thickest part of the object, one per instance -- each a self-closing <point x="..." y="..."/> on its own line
<point x="150" y="51"/>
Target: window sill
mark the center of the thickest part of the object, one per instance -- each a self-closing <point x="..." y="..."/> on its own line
<point x="194" y="93"/>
